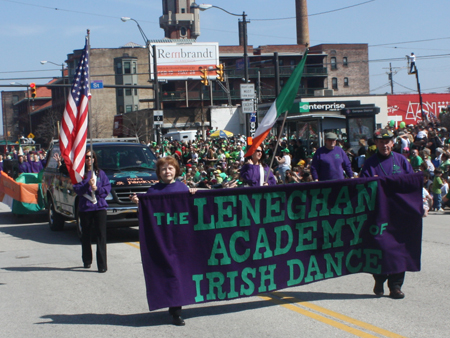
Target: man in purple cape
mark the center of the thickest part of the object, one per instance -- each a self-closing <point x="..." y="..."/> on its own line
<point x="385" y="162"/>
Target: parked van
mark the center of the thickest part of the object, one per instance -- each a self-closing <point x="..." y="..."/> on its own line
<point x="181" y="135"/>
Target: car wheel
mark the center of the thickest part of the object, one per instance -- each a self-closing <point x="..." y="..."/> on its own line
<point x="55" y="220"/>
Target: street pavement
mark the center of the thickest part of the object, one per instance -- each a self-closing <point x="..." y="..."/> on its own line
<point x="45" y="292"/>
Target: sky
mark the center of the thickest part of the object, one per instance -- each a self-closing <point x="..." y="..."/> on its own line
<point x="32" y="31"/>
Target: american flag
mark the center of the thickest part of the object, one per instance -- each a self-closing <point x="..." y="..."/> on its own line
<point x="73" y="134"/>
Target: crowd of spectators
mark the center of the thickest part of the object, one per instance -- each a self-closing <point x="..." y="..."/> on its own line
<point x="216" y="162"/>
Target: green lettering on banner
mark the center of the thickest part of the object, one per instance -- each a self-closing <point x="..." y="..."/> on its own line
<point x="262" y="242"/>
<point x="356" y="230"/>
<point x="336" y="232"/>
<point x="343" y="198"/>
<point x="233" y="253"/>
<point x="197" y="279"/>
<point x="274" y="212"/>
<point x="373" y="257"/>
<point x="364" y="194"/>
<point x="301" y="208"/>
<point x="184" y="218"/>
<point x="319" y="201"/>
<point x="219" y="248"/>
<point x="350" y="268"/>
<point x="313" y="267"/>
<point x="292" y="263"/>
<point x="201" y="225"/>
<point x="337" y="266"/>
<point x="269" y="277"/>
<point x="290" y="239"/>
<point x="251" y="286"/>
<point x="171" y="219"/>
<point x="231" y="275"/>
<point x="306" y="234"/>
<point x="158" y="216"/>
<point x="226" y="211"/>
<point x="215" y="280"/>
<point x="248" y="208"/>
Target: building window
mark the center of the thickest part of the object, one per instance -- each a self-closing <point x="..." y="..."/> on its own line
<point x="129" y="108"/>
<point x="345" y="81"/>
<point x="183" y="10"/>
<point x="345" y="61"/>
<point x="281" y="62"/>
<point x="127" y="67"/>
<point x="183" y="31"/>
<point x="128" y="90"/>
<point x="333" y="63"/>
<point x="334" y="83"/>
<point x="119" y="68"/>
<point x="120" y="109"/>
<point x="136" y="108"/>
<point x="119" y="92"/>
<point x="135" y="89"/>
<point x="134" y="68"/>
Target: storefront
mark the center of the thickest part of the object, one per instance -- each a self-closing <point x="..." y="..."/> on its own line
<point x="309" y="121"/>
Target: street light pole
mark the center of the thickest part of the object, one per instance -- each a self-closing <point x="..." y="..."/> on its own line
<point x="244" y="28"/>
<point x="155" y="66"/>
<point x="204" y="7"/>
<point x="63" y="78"/>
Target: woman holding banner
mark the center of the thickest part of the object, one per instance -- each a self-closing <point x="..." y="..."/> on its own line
<point x="255" y="172"/>
<point x="167" y="170"/>
<point x="92" y="192"/>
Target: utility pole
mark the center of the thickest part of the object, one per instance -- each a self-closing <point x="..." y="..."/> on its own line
<point x="391" y="74"/>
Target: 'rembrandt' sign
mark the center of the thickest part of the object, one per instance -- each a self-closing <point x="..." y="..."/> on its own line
<point x="231" y="243"/>
<point x="182" y="61"/>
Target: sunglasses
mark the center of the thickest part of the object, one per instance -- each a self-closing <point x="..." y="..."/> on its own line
<point x="88" y="157"/>
<point x="259" y="151"/>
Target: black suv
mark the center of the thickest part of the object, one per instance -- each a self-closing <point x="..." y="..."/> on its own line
<point x="130" y="167"/>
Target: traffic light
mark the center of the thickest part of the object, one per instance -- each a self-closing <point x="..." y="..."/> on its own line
<point x="204" y="76"/>
<point x="33" y="89"/>
<point x="220" y="73"/>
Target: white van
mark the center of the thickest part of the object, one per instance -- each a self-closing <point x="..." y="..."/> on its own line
<point x="181" y="135"/>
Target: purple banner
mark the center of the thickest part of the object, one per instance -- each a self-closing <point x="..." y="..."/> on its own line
<point x="231" y="243"/>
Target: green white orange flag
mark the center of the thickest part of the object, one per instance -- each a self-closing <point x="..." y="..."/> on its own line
<point x="281" y="104"/>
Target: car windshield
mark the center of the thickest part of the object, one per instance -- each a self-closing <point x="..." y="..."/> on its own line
<point x="124" y="157"/>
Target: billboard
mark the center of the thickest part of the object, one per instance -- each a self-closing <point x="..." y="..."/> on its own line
<point x="406" y="108"/>
<point x="183" y="61"/>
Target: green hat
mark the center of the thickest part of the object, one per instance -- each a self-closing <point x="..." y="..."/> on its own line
<point x="285" y="150"/>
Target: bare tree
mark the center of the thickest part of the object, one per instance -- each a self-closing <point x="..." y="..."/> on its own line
<point x="48" y="128"/>
<point x="135" y="124"/>
<point x="101" y="123"/>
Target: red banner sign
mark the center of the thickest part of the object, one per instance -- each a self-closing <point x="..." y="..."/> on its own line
<point x="406" y="108"/>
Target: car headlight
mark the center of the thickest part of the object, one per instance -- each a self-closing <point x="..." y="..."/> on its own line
<point x="109" y="197"/>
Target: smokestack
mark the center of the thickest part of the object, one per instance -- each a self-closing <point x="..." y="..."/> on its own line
<point x="301" y="11"/>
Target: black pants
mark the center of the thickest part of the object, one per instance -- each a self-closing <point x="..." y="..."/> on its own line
<point x="175" y="310"/>
<point x="93" y="223"/>
<point x="394" y="281"/>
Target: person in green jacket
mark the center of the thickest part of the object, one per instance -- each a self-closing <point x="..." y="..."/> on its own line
<point x="436" y="190"/>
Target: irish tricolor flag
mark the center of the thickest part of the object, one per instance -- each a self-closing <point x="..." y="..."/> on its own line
<point x="281" y="104"/>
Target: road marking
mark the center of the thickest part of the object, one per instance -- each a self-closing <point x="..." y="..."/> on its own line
<point x="133" y="245"/>
<point x="293" y="304"/>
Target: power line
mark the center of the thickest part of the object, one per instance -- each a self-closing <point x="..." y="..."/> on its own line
<point x="320" y="13"/>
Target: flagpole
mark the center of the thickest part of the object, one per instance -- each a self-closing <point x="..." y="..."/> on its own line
<point x="276" y="146"/>
<point x="89" y="114"/>
<point x="89" y="93"/>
